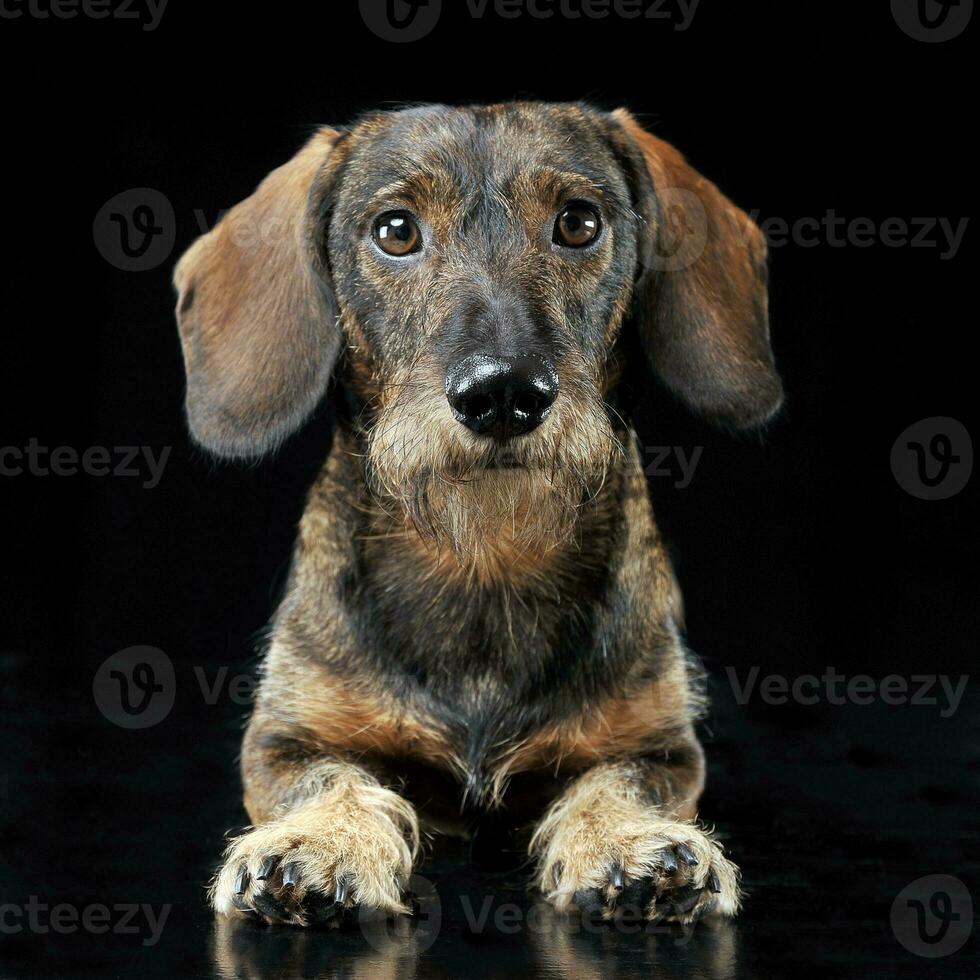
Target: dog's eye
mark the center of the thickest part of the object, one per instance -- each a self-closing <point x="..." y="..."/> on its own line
<point x="577" y="226"/>
<point x="397" y="234"/>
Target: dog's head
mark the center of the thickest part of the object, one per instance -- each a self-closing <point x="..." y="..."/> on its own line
<point x="476" y="268"/>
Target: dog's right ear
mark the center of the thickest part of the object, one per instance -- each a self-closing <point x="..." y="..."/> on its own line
<point x="257" y="317"/>
<point x="702" y="298"/>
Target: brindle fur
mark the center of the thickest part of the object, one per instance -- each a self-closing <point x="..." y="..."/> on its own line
<point x="460" y="615"/>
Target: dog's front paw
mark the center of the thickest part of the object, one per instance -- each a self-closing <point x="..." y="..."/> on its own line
<point x="314" y="865"/>
<point x="663" y="870"/>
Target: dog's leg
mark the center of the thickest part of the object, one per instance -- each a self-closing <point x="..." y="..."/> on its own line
<point x="621" y="837"/>
<point x="328" y="836"/>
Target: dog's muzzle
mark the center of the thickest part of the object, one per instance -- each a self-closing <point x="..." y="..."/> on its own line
<point x="501" y="397"/>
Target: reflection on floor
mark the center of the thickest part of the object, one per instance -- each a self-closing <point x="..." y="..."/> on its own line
<point x="830" y="811"/>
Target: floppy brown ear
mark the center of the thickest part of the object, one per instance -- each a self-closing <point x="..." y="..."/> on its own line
<point x="257" y="318"/>
<point x="702" y="297"/>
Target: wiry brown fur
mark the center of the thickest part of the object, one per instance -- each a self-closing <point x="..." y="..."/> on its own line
<point x="440" y="477"/>
<point x="465" y="612"/>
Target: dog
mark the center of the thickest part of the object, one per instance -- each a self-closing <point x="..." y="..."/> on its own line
<point x="480" y="615"/>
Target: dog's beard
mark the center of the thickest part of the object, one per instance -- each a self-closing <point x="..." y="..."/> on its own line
<point x="486" y="503"/>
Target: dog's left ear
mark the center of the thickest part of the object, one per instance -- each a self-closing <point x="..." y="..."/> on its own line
<point x="256" y="312"/>
<point x="701" y="299"/>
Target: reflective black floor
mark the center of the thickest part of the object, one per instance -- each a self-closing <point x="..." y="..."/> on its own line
<point x="831" y="812"/>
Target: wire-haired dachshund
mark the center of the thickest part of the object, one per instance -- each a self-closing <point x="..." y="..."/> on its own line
<point x="481" y="614"/>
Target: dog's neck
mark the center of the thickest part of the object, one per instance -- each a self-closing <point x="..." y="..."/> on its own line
<point x="515" y="617"/>
<point x="501" y="529"/>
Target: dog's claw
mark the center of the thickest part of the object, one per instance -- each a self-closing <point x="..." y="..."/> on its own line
<point x="268" y="866"/>
<point x="714" y="882"/>
<point x="290" y="874"/>
<point x="616" y="878"/>
<point x="556" y="872"/>
<point x="241" y="881"/>
<point x="668" y="862"/>
<point x="343" y="887"/>
<point x="686" y="855"/>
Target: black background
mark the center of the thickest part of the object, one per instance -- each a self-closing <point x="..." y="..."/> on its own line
<point x="796" y="551"/>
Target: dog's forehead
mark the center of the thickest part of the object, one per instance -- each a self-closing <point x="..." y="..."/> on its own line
<point x="470" y="148"/>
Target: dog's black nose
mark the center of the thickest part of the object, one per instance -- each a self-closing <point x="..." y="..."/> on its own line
<point x="501" y="396"/>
